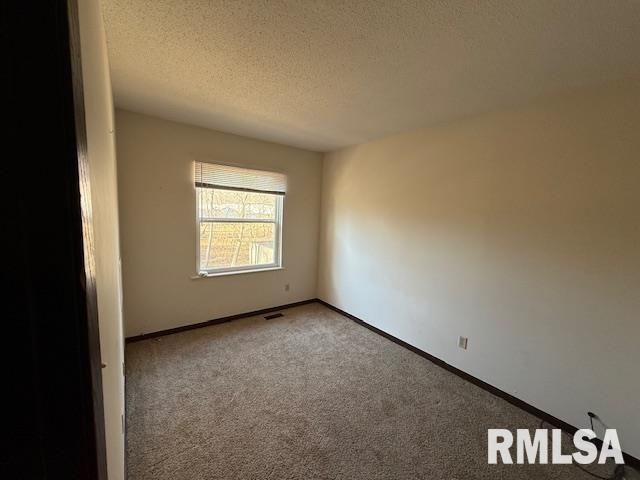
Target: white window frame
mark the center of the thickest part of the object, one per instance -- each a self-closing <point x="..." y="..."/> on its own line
<point x="277" y="263"/>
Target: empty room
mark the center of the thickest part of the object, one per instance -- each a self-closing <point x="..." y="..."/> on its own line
<point x="324" y="239"/>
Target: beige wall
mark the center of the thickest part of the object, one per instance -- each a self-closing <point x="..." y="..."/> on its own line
<point x="519" y="230"/>
<point x="157" y="199"/>
<point x="104" y="197"/>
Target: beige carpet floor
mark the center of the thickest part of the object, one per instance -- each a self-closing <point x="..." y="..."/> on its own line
<point x="310" y="395"/>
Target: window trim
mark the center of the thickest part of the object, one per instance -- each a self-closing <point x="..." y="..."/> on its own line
<point x="275" y="265"/>
<point x="202" y="275"/>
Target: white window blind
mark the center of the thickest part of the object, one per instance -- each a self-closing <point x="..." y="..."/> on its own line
<point x="211" y="175"/>
<point x="240" y="213"/>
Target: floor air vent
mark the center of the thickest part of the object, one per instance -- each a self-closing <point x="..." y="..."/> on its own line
<point x="275" y="315"/>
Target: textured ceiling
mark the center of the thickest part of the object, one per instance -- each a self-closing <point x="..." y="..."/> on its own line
<point x="326" y="74"/>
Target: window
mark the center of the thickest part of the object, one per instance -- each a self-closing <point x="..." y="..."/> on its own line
<point x="239" y="218"/>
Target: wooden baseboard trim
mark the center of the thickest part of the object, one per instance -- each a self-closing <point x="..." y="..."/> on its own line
<point x="549" y="419"/>
<point x="216" y="321"/>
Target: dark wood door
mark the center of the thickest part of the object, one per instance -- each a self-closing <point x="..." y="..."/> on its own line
<point x="53" y="425"/>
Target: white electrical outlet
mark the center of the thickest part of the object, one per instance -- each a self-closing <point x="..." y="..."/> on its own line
<point x="286" y="287"/>
<point x="462" y="342"/>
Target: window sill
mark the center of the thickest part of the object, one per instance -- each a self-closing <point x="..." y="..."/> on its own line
<point x="235" y="272"/>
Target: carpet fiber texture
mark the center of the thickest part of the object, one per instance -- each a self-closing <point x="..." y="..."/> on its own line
<point x="310" y="395"/>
